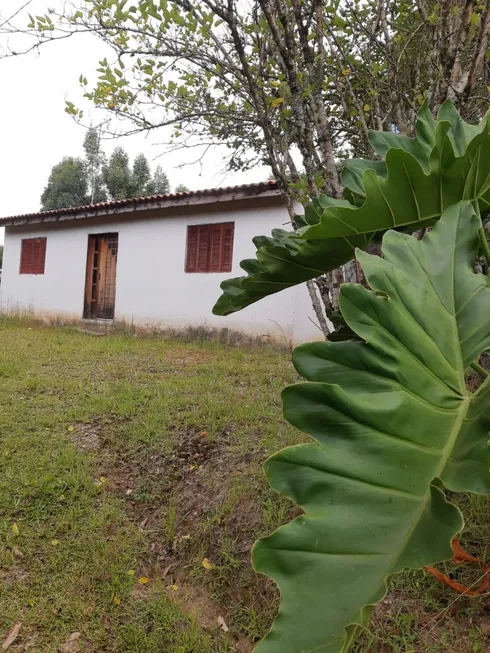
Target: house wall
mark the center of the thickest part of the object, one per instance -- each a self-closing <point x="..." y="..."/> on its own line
<point x="152" y="287"/>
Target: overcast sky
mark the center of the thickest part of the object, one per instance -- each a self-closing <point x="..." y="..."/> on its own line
<point x="36" y="132"/>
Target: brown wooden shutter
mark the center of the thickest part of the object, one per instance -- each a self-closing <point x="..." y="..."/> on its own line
<point x="216" y="247"/>
<point x="23" y="257"/>
<point x="203" y="243"/>
<point x="227" y="248"/>
<point x="191" y="257"/>
<point x="42" y="260"/>
<point x="30" y="256"/>
<point x="210" y="247"/>
<point x="27" y="256"/>
<point x="33" y="256"/>
<point x="39" y="254"/>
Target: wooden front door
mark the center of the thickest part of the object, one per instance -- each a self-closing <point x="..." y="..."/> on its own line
<point x="100" y="284"/>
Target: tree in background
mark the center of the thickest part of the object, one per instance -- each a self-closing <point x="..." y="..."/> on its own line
<point x="141" y="181"/>
<point x="181" y="188"/>
<point x="160" y="183"/>
<point x="94" y="160"/>
<point x="75" y="182"/>
<point x="67" y="185"/>
<point x="117" y="175"/>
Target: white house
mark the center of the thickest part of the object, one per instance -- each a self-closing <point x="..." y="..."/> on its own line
<point x="156" y="261"/>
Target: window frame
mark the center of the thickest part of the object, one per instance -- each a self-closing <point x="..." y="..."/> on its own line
<point x="34" y="262"/>
<point x="219" y="240"/>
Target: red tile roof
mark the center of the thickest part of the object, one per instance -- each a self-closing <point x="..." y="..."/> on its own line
<point x="227" y="193"/>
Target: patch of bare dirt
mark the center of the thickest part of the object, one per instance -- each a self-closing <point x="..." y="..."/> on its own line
<point x="195" y="601"/>
<point x="197" y="471"/>
<point x="184" y="499"/>
<point x="13" y="576"/>
<point x="87" y="438"/>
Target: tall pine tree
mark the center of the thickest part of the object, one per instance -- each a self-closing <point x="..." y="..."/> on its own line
<point x="94" y="160"/>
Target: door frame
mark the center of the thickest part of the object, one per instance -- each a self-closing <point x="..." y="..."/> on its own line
<point x="93" y="274"/>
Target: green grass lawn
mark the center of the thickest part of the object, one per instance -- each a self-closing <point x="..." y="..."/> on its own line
<point x="131" y="491"/>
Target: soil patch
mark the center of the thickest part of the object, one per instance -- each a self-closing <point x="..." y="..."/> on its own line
<point x="87" y="438"/>
<point x="199" y="499"/>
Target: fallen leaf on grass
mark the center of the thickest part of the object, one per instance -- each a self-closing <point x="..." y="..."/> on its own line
<point x="12" y="636"/>
<point x="55" y="542"/>
<point x="70" y="428"/>
<point x="15" y="529"/>
<point x="174" y="588"/>
<point x="222" y="624"/>
<point x="206" y="564"/>
<point x="143" y="580"/>
<point x="117" y="600"/>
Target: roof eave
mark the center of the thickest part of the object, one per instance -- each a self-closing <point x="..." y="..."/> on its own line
<point x="185" y="199"/>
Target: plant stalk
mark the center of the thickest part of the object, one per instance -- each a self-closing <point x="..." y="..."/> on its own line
<point x="481" y="370"/>
<point x="484" y="244"/>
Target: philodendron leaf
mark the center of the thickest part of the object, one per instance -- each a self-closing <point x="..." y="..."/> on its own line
<point x="420" y="178"/>
<point x="394" y="425"/>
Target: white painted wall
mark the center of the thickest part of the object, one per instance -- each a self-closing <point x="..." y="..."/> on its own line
<point x="152" y="287"/>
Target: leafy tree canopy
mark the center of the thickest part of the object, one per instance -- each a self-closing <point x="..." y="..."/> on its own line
<point x="67" y="185"/>
<point x="117" y="175"/>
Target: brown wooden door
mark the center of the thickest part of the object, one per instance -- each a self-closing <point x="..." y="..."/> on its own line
<point x="100" y="284"/>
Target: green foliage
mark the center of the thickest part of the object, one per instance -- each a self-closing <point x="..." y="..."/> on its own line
<point x="181" y="188"/>
<point x="1" y="256"/>
<point x="394" y="427"/>
<point x="122" y="182"/>
<point x="117" y="175"/>
<point x="446" y="162"/>
<point x="67" y="185"/>
<point x="75" y="182"/>
<point x="160" y="184"/>
<point x="141" y="177"/>
<point x="393" y="421"/>
<point x="94" y="160"/>
<point x="255" y="77"/>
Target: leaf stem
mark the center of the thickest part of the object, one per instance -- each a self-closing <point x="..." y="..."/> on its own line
<point x="484" y="244"/>
<point x="481" y="233"/>
<point x="481" y="370"/>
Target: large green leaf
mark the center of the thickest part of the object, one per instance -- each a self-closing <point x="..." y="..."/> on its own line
<point x="447" y="162"/>
<point x="394" y="424"/>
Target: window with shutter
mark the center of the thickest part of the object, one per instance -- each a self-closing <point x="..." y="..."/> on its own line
<point x="32" y="255"/>
<point x="210" y="247"/>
